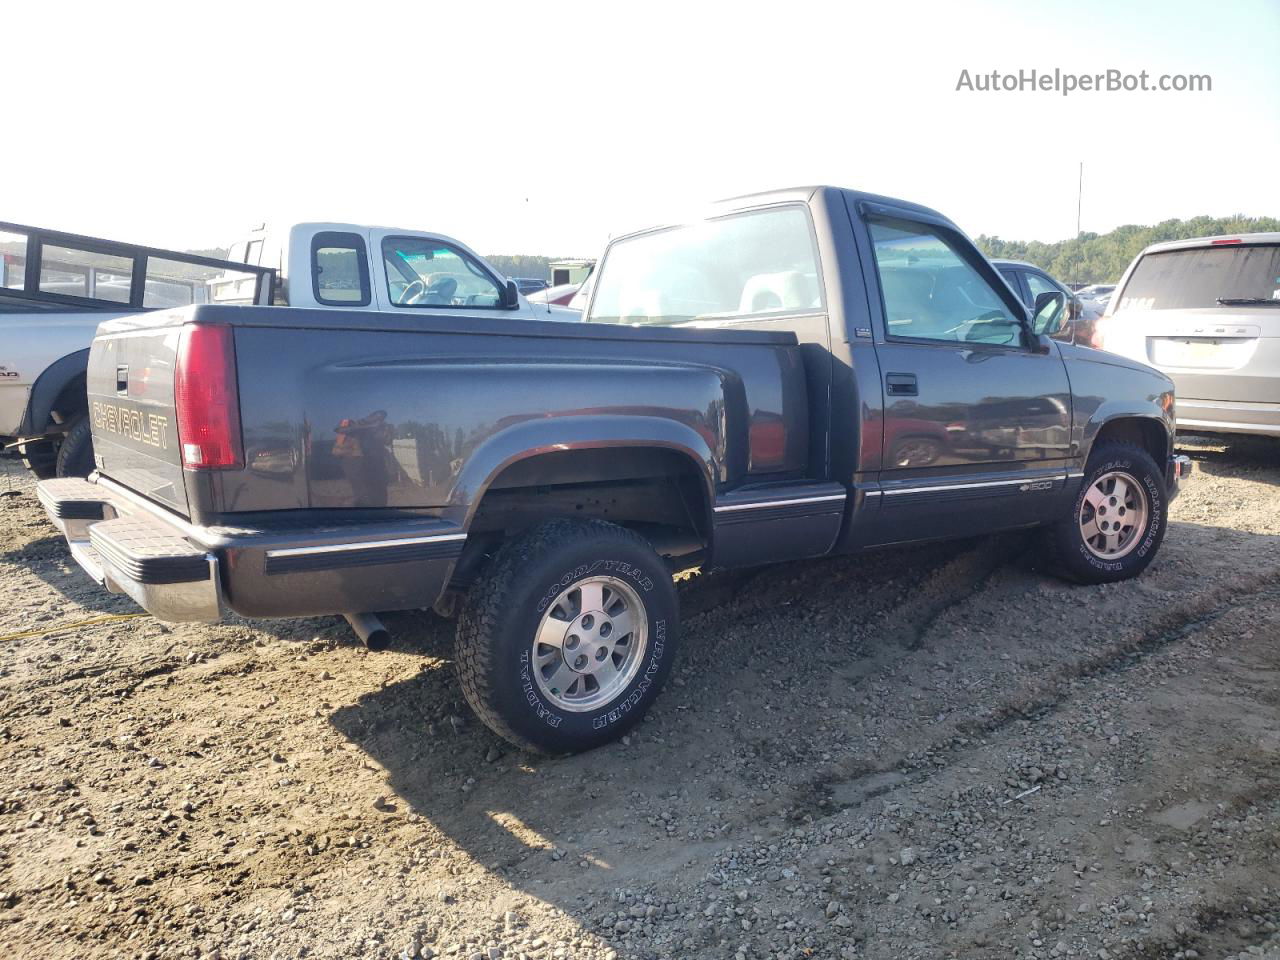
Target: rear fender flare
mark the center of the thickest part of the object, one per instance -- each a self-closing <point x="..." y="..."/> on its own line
<point x="37" y="418"/>
<point x="536" y="437"/>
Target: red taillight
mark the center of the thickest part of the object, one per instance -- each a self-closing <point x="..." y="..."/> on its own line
<point x="1224" y="240"/>
<point x="205" y="394"/>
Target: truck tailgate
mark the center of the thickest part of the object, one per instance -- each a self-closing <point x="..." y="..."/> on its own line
<point x="131" y="406"/>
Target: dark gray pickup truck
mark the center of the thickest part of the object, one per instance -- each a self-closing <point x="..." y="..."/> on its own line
<point x="806" y="372"/>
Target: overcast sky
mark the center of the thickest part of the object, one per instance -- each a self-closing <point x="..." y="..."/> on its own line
<point x="544" y="127"/>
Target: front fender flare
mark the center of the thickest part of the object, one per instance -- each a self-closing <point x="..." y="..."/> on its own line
<point x="1112" y="411"/>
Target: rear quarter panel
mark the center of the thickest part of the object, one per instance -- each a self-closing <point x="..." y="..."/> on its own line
<point x="412" y="419"/>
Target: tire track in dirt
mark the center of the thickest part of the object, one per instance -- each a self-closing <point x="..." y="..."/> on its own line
<point x="889" y="600"/>
<point x="954" y="584"/>
<point x="1049" y="694"/>
<point x="860" y="780"/>
<point x="860" y="587"/>
<point x="1220" y="928"/>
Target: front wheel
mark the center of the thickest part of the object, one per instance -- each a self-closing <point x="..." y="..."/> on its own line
<point x="565" y="641"/>
<point x="1118" y="519"/>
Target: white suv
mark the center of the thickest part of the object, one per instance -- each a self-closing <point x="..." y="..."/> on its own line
<point x="1207" y="313"/>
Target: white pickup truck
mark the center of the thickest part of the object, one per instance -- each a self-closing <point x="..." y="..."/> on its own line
<point x="55" y="288"/>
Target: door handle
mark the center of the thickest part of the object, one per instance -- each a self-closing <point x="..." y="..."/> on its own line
<point x="901" y="385"/>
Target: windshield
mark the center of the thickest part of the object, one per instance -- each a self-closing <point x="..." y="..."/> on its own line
<point x="747" y="265"/>
<point x="1200" y="276"/>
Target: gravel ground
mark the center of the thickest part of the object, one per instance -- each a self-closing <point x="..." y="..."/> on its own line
<point x="934" y="752"/>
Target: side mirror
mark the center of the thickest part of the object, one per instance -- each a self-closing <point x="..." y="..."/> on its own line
<point x="1048" y="313"/>
<point x="510" y="296"/>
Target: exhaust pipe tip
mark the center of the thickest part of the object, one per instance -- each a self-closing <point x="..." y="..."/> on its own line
<point x="370" y="630"/>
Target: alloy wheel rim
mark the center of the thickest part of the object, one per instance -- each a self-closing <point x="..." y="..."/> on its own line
<point x="589" y="644"/>
<point x="1113" y="515"/>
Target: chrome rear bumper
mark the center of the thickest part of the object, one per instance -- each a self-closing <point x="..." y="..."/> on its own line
<point x="133" y="552"/>
<point x="179" y="570"/>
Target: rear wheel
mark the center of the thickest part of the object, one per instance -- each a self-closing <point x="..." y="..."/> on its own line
<point x="75" y="454"/>
<point x="1117" y="522"/>
<point x="565" y="641"/>
<point x="40" y="457"/>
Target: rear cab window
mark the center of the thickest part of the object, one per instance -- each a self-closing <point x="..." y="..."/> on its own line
<point x="340" y="269"/>
<point x="1226" y="274"/>
<point x="749" y="265"/>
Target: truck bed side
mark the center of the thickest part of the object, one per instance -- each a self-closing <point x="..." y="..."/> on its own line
<point x="356" y="417"/>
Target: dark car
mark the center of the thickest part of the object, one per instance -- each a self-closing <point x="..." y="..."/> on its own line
<point x="1029" y="281"/>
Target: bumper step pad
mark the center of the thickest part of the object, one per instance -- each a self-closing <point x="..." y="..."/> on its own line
<point x="131" y="551"/>
<point x="145" y="551"/>
<point x="70" y="498"/>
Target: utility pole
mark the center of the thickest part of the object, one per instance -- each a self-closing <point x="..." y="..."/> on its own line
<point x="1079" y="201"/>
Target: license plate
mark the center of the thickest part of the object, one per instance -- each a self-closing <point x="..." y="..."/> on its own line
<point x="1186" y="353"/>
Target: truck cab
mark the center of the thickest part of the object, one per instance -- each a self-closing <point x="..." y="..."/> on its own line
<point x="348" y="266"/>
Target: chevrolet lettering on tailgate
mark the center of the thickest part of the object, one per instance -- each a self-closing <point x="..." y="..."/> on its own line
<point x="140" y="425"/>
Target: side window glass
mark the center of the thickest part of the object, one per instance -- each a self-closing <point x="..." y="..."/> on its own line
<point x="1059" y="329"/>
<point x="13" y="260"/>
<point x="74" y="272"/>
<point x="429" y="273"/>
<point x="177" y="283"/>
<point x="339" y="269"/>
<point x="1038" y="285"/>
<point x="1011" y="277"/>
<point x="931" y="292"/>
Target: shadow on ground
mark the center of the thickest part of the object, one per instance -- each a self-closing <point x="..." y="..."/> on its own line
<point x="621" y="815"/>
<point x="1253" y="458"/>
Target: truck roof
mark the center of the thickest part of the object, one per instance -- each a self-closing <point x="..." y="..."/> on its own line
<point x="326" y="225"/>
<point x="806" y="194"/>
<point x="803" y="194"/>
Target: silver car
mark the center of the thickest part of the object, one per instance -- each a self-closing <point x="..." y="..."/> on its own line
<point x="1207" y="313"/>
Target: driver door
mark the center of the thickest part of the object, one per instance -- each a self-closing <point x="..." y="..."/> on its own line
<point x="977" y="424"/>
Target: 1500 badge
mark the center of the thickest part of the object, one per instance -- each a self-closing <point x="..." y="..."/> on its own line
<point x="140" y="425"/>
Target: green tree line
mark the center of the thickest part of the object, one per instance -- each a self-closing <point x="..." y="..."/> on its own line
<point x="1103" y="257"/>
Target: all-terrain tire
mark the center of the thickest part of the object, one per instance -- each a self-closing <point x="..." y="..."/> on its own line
<point x="1069" y="552"/>
<point x="504" y="609"/>
<point x="75" y="453"/>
